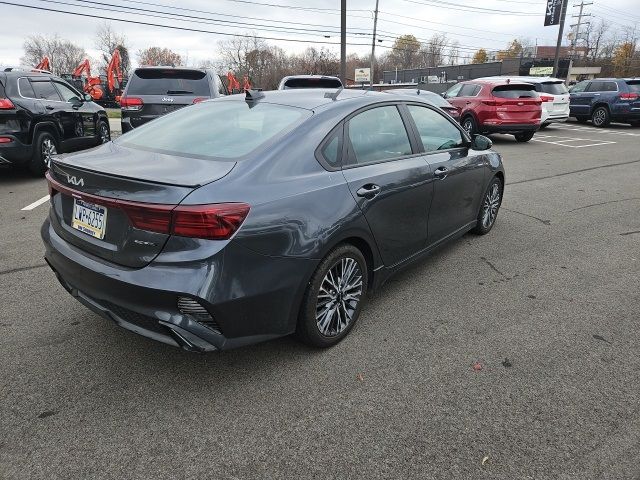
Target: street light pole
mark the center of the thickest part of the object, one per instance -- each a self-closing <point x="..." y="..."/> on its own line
<point x="373" y="45"/>
<point x="563" y="14"/>
<point x="343" y="41"/>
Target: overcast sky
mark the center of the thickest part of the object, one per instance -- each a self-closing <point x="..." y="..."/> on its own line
<point x="310" y="21"/>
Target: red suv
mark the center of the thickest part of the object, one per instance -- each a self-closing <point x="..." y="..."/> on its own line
<point x="497" y="106"/>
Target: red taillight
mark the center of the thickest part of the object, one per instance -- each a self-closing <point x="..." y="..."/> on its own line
<point x="131" y="103"/>
<point x="6" y="104"/>
<point x="150" y="217"/>
<point x="6" y="139"/>
<point x="546" y="98"/>
<point x="216" y="222"/>
<point x="628" y="96"/>
<point x="199" y="99"/>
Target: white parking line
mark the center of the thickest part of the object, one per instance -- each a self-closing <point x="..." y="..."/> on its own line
<point x="37" y="203"/>
<point x="589" y="129"/>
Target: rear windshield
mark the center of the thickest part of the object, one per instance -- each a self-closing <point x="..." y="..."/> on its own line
<point x="514" y="91"/>
<point x="224" y="130"/>
<point x="634" y="86"/>
<point x="312" y="83"/>
<point x="554" y="88"/>
<point x="168" y="82"/>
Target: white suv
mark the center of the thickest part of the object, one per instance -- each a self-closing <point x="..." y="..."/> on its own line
<point x="554" y="95"/>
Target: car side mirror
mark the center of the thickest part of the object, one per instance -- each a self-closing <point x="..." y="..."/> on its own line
<point x="87" y="97"/>
<point x="480" y="142"/>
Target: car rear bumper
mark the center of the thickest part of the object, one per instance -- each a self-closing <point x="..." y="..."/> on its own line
<point x="510" y="127"/>
<point x="14" y="152"/>
<point x="258" y="302"/>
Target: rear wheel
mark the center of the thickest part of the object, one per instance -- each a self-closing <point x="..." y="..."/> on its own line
<point x="523" y="137"/>
<point x="469" y="124"/>
<point x="489" y="209"/>
<point x="44" y="148"/>
<point x="104" y="134"/>
<point x="334" y="297"/>
<point x="635" y="123"/>
<point x="600" y="117"/>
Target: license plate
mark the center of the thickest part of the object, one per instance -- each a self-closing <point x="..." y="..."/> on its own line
<point x="89" y="218"/>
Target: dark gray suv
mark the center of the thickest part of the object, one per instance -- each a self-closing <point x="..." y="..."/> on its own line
<point x="154" y="91"/>
<point x="242" y="219"/>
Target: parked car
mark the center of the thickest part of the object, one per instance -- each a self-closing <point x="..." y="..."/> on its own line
<point x="432" y="98"/>
<point x="606" y="100"/>
<point x="308" y="201"/>
<point x="553" y="94"/>
<point x="497" y="106"/>
<point x="41" y="115"/>
<point x="309" y="81"/>
<point x="154" y="91"/>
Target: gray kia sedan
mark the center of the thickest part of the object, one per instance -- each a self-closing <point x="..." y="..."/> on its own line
<point x="249" y="217"/>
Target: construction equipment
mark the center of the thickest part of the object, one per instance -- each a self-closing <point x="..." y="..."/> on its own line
<point x="106" y="89"/>
<point x="92" y="85"/>
<point x="45" y="64"/>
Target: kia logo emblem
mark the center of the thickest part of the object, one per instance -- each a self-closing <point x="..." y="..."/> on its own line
<point x="78" y="182"/>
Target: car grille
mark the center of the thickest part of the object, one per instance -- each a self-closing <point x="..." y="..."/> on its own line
<point x="142" y="321"/>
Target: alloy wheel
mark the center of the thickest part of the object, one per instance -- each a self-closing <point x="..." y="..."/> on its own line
<point x="105" y="137"/>
<point x="468" y="126"/>
<point x="491" y="205"/>
<point x="338" y="297"/>
<point x="599" y="117"/>
<point x="48" y="149"/>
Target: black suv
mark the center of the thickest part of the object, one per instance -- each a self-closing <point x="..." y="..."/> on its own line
<point x="153" y="91"/>
<point x="41" y="115"/>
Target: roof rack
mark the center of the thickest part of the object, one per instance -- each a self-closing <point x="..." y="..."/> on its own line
<point x="25" y="69"/>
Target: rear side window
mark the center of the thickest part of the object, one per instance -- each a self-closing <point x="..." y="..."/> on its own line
<point x="45" y="91"/>
<point x="169" y="82"/>
<point x="332" y="149"/>
<point x="312" y="83"/>
<point x="469" y="90"/>
<point x="554" y="88"/>
<point x="215" y="129"/>
<point x="436" y="132"/>
<point x="25" y="88"/>
<point x="378" y="134"/>
<point x="514" y="91"/>
<point x="634" y="86"/>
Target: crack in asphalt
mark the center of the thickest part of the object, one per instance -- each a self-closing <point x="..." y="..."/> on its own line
<point x="630" y="233"/>
<point x="574" y="171"/>
<point x="546" y="222"/>
<point x="22" y="269"/>
<point x="492" y="266"/>
<point x="605" y="203"/>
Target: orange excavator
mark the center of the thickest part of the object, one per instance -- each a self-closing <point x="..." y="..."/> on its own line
<point x="92" y="85"/>
<point x="45" y="64"/>
<point x="104" y="89"/>
<point x="233" y="84"/>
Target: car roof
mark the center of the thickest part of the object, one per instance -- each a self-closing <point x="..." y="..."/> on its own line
<point x="166" y="67"/>
<point x="289" y="77"/>
<point x="316" y="98"/>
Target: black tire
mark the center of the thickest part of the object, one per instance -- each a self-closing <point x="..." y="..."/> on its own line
<point x="103" y="132"/>
<point x="582" y="119"/>
<point x="469" y="124"/>
<point x="340" y="315"/>
<point x="44" y="147"/>
<point x="635" y="123"/>
<point x="600" y="117"/>
<point x="524" y="137"/>
<point x="544" y="125"/>
<point x="492" y="202"/>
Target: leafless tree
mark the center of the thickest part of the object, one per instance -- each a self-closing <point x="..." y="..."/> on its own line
<point x="155" y="56"/>
<point x="107" y="40"/>
<point x="594" y="37"/>
<point x="432" y="53"/>
<point x="454" y="53"/>
<point x="63" y="54"/>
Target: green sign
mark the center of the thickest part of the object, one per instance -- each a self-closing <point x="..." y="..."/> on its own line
<point x="541" y="71"/>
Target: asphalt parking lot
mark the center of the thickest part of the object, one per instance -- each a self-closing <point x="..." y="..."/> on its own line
<point x="509" y="356"/>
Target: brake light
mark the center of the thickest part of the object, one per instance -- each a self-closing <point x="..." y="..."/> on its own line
<point x="6" y="104"/>
<point x="131" y="103"/>
<point x="546" y="98"/>
<point x="6" y="139"/>
<point x="629" y="96"/>
<point x="199" y="99"/>
<point x="215" y="222"/>
<point x="150" y="217"/>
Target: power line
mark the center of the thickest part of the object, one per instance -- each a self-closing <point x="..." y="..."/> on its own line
<point x="469" y="8"/>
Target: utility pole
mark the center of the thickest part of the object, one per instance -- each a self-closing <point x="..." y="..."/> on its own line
<point x="563" y="15"/>
<point x="343" y="41"/>
<point x="373" y="45"/>
<point x="574" y="40"/>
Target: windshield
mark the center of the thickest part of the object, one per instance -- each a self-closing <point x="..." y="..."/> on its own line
<point x="229" y="129"/>
<point x="154" y="81"/>
<point x="554" y="88"/>
<point x="312" y="83"/>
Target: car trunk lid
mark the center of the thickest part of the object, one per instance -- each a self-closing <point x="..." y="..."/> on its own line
<point x="517" y="102"/>
<point x="109" y="205"/>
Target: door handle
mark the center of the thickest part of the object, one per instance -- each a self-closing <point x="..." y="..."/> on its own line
<point x="468" y="103"/>
<point x="596" y="94"/>
<point x="49" y="107"/>
<point x="441" y="172"/>
<point x="368" y="191"/>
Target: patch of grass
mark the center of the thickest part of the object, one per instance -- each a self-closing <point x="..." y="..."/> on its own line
<point x="114" y="113"/>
